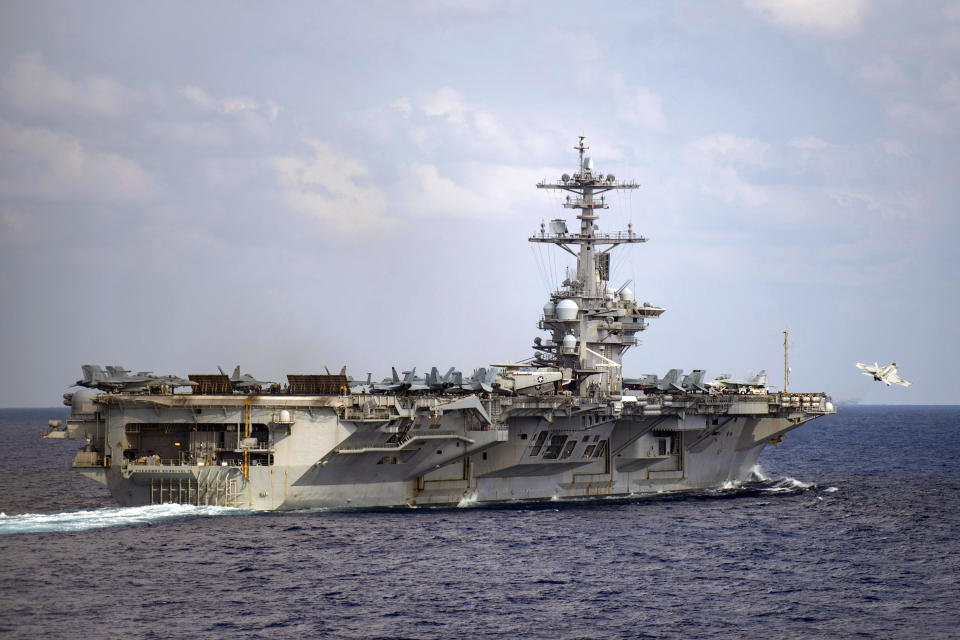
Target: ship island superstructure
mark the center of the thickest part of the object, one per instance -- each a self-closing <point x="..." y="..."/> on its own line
<point x="564" y="423"/>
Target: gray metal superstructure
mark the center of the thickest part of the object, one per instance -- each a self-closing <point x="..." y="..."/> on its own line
<point x="565" y="423"/>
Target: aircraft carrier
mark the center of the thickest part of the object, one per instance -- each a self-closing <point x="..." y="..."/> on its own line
<point x="565" y="423"/>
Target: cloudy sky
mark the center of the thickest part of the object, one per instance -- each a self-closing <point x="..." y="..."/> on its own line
<point x="293" y="185"/>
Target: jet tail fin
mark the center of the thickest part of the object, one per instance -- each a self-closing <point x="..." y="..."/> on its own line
<point x="93" y="373"/>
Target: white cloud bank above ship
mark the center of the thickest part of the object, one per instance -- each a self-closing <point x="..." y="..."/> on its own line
<point x="32" y="87"/>
<point x="332" y="190"/>
<point x="782" y="148"/>
<point x="42" y="165"/>
<point x="834" y="17"/>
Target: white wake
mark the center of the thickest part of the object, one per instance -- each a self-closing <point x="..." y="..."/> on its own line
<point x="106" y="517"/>
<point x="757" y="473"/>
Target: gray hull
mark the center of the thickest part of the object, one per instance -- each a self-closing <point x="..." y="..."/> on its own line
<point x="357" y="451"/>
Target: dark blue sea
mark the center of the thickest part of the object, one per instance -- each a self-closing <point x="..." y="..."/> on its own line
<point x="851" y="529"/>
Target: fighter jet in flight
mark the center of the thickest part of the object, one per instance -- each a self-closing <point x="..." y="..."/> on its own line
<point x="887" y="373"/>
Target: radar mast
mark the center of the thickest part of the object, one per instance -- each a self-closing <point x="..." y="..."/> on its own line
<point x="592" y="325"/>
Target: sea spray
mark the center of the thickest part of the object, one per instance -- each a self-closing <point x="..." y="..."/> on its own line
<point x="106" y="517"/>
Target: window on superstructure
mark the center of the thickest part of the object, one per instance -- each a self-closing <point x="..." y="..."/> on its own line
<point x="556" y="444"/>
<point x="538" y="445"/>
<point x="601" y="449"/>
<point x="568" y="450"/>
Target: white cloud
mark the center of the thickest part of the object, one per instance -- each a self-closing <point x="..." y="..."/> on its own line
<point x="328" y="188"/>
<point x="449" y="121"/>
<point x="730" y="148"/>
<point x="636" y="105"/>
<point x="883" y="71"/>
<point x="949" y="91"/>
<point x="446" y="103"/>
<point x="273" y="110"/>
<point x="201" y="134"/>
<point x="642" y="107"/>
<point x="31" y="86"/>
<point x="229" y="106"/>
<point x="403" y="106"/>
<point x="834" y="17"/>
<point x="808" y="143"/>
<point x="726" y="185"/>
<point x="465" y="8"/>
<point x="714" y="163"/>
<point x="238" y="105"/>
<point x="889" y="206"/>
<point x="13" y="221"/>
<point x="445" y="123"/>
<point x="431" y="195"/>
<point x="917" y="117"/>
<point x="197" y="96"/>
<point x="896" y="148"/>
<point x="39" y="164"/>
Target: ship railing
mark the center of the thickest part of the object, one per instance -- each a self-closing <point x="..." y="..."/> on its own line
<point x="597" y="237"/>
<point x="377" y="413"/>
<point x="173" y="462"/>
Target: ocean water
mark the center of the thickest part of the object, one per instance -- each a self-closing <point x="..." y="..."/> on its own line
<point x="850" y="529"/>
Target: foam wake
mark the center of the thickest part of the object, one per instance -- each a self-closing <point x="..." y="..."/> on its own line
<point x="756" y="473"/>
<point x="468" y="500"/>
<point x="106" y="517"/>
<point x="786" y="484"/>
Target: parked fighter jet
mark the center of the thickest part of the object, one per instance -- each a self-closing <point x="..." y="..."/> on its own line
<point x="118" y="379"/>
<point x="364" y="386"/>
<point x="886" y="373"/>
<point x="481" y="380"/>
<point x="647" y="382"/>
<point x="244" y="381"/>
<point x="433" y="381"/>
<point x="671" y="381"/>
<point x="754" y="384"/>
<point x="395" y="383"/>
<point x="693" y="381"/>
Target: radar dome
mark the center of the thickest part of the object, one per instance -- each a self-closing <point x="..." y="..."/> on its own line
<point x="82" y="402"/>
<point x="626" y="295"/>
<point x="567" y="309"/>
<point x="549" y="309"/>
<point x="569" y="343"/>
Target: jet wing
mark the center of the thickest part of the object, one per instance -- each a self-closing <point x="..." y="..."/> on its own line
<point x="898" y="380"/>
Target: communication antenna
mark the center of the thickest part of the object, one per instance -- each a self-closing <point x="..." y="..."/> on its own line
<point x="786" y="366"/>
